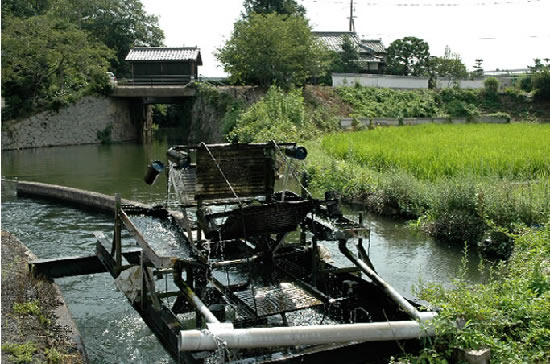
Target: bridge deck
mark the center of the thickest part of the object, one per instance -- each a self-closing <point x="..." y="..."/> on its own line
<point x="157" y="91"/>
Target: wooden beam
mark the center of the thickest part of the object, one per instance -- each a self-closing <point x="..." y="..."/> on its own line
<point x="75" y="266"/>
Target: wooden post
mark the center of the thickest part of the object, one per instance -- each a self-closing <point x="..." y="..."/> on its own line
<point x="117" y="235"/>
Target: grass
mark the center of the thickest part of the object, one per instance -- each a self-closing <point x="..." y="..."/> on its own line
<point x="429" y="152"/>
<point x="20" y="353"/>
<point x="33" y="309"/>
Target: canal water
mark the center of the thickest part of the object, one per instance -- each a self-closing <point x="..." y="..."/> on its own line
<point x="112" y="331"/>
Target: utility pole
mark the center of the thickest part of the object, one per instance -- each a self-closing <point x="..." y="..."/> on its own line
<point x="351" y="24"/>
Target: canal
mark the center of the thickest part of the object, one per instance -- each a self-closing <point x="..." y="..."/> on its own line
<point x="112" y="331"/>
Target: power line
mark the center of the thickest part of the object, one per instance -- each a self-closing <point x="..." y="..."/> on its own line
<point x="434" y="3"/>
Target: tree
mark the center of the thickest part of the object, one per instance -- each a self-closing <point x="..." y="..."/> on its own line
<point x="478" y="68"/>
<point x="347" y="60"/>
<point x="541" y="79"/>
<point x="46" y="61"/>
<point x="408" y="56"/>
<point x="119" y="24"/>
<point x="24" y="9"/>
<point x="287" y="7"/>
<point x="273" y="48"/>
<point x="449" y="66"/>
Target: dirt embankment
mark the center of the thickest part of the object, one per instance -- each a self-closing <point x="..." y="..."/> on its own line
<point x="36" y="325"/>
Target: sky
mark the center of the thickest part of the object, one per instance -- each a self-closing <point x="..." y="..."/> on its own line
<point x="506" y="34"/>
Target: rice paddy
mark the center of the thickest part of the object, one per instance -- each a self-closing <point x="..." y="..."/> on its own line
<point x="519" y="151"/>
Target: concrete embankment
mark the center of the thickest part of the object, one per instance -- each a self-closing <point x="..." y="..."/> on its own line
<point x="73" y="196"/>
<point x="36" y="324"/>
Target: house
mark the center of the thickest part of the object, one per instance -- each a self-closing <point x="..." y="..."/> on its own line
<point x="372" y="54"/>
<point x="162" y="65"/>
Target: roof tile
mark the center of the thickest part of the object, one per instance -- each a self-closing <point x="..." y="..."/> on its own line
<point x="163" y="54"/>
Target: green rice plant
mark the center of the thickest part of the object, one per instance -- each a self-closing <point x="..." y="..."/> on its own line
<point x="433" y="151"/>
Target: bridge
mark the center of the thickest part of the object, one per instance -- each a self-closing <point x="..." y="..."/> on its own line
<point x="154" y="93"/>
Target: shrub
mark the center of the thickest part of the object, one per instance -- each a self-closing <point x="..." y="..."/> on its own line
<point x="541" y="84"/>
<point x="525" y="83"/>
<point x="491" y="86"/>
<point x="278" y="116"/>
<point x="462" y="109"/>
<point x="105" y="135"/>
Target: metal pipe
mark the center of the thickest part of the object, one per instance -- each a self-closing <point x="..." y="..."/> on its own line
<point x="196" y="340"/>
<point x="389" y="290"/>
<point x="193" y="298"/>
<point x="199" y="305"/>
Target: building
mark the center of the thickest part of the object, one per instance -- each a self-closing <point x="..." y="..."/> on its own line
<point x="372" y="53"/>
<point x="164" y="65"/>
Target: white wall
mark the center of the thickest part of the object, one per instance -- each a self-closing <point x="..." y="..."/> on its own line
<point x="382" y="81"/>
<point x="407" y="82"/>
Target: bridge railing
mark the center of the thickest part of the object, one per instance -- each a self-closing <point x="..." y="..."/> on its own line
<point x="152" y="80"/>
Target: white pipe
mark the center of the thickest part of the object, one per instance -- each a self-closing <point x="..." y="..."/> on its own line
<point x="196" y="340"/>
<point x="199" y="305"/>
<point x="389" y="290"/>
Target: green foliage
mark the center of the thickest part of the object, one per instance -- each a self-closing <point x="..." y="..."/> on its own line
<point x="273" y="49"/>
<point x="478" y="68"/>
<point x="491" y="86"/>
<point x="53" y="356"/>
<point x="119" y="24"/>
<point x="27" y="308"/>
<point x="408" y="56"/>
<point x="105" y="135"/>
<point x="24" y="9"/>
<point x="449" y="66"/>
<point x="286" y="7"/>
<point x="525" y="83"/>
<point x="541" y="84"/>
<point x="508" y="314"/>
<point x="346" y="61"/>
<point x="20" y="353"/>
<point x="46" y="61"/>
<point x="278" y="116"/>
<point x="33" y="309"/>
<point x="374" y="102"/>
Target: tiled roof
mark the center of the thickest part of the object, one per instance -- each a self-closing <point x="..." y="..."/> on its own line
<point x="333" y="40"/>
<point x="164" y="54"/>
<point x="374" y="44"/>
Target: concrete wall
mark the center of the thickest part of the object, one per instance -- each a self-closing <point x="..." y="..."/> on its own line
<point x="74" y="124"/>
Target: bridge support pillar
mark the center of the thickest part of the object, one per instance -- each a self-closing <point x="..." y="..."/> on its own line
<point x="147" y="124"/>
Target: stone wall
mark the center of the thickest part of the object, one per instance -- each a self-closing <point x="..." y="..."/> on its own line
<point x="74" y="124"/>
